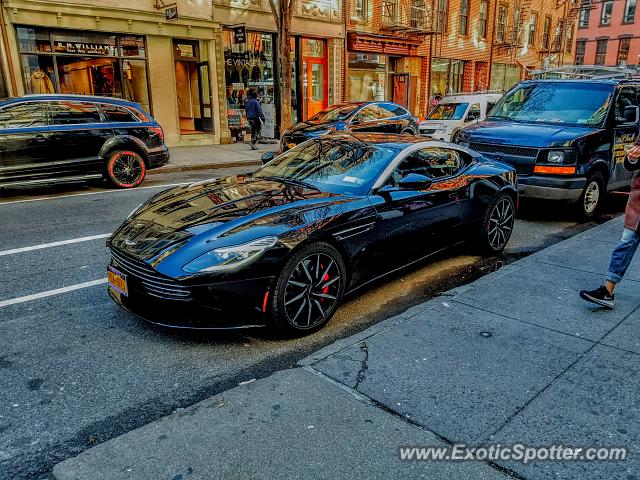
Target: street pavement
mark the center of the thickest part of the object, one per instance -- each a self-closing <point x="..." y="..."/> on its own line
<point x="76" y="370"/>
<point x="513" y="357"/>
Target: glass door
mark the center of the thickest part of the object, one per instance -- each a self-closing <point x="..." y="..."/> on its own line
<point x="314" y="74"/>
<point x="206" y="110"/>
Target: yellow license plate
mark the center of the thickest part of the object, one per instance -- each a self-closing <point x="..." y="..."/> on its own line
<point x="117" y="281"/>
<point x="291" y="145"/>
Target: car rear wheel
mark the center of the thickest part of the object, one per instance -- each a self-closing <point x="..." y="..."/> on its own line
<point x="591" y="199"/>
<point x="497" y="224"/>
<point x="308" y="290"/>
<point x="125" y="169"/>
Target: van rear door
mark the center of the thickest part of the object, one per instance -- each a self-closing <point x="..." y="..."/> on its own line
<point x="624" y="133"/>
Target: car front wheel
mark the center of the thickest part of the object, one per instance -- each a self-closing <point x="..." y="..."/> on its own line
<point x="497" y="224"/>
<point x="308" y="290"/>
<point x="125" y="169"/>
<point x="591" y="198"/>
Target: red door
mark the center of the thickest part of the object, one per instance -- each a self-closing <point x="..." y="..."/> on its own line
<point x="314" y="77"/>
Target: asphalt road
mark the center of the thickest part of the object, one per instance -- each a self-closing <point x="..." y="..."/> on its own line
<point x="76" y="370"/>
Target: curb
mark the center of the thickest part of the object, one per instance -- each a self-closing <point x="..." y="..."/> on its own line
<point x="203" y="166"/>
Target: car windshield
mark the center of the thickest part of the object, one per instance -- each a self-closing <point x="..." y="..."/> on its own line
<point x="448" y="111"/>
<point x="339" y="112"/>
<point x="555" y="102"/>
<point x="333" y="165"/>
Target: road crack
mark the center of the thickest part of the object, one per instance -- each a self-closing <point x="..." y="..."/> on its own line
<point x="364" y="366"/>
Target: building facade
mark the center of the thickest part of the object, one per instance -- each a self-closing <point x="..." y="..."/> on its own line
<point x="608" y="33"/>
<point x="416" y="51"/>
<point x="250" y="57"/>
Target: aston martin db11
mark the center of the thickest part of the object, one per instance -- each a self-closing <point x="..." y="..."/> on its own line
<point x="281" y="246"/>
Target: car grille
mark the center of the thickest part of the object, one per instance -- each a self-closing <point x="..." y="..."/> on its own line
<point x="149" y="281"/>
<point x="427" y="131"/>
<point x="522" y="158"/>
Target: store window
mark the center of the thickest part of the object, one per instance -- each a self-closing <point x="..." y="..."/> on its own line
<point x="250" y="66"/>
<point x="192" y="88"/>
<point x="90" y="63"/>
<point x="446" y="76"/>
<point x="367" y="77"/>
<point x="504" y="76"/>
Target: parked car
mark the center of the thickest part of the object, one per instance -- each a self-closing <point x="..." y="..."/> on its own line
<point x="366" y="117"/>
<point x="566" y="138"/>
<point x="283" y="245"/>
<point x="455" y="112"/>
<point x="69" y="137"/>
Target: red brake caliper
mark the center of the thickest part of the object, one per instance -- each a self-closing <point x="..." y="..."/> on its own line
<point x="325" y="290"/>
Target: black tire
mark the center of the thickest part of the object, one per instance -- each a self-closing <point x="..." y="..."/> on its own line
<point x="454" y="135"/>
<point x="308" y="290"/>
<point x="592" y="196"/>
<point x="497" y="224"/>
<point x="125" y="169"/>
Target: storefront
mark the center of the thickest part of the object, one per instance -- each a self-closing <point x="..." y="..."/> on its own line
<point x="125" y="49"/>
<point x="250" y="65"/>
<point x="87" y="63"/>
<point x="384" y="68"/>
<point x="504" y="76"/>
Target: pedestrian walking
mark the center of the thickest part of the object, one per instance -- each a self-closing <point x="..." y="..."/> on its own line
<point x="255" y="116"/>
<point x="625" y="250"/>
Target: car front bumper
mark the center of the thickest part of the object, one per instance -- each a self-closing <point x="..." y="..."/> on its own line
<point x="216" y="306"/>
<point x="158" y="157"/>
<point x="551" y="188"/>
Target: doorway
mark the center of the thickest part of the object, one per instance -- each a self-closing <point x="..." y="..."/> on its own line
<point x="314" y="76"/>
<point x="193" y="91"/>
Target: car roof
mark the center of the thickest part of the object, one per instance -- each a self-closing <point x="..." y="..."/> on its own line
<point x="600" y="81"/>
<point x="469" y="96"/>
<point x="81" y="98"/>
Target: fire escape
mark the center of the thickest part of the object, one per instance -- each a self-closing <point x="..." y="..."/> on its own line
<point x="564" y="30"/>
<point x="409" y="17"/>
<point x="513" y="36"/>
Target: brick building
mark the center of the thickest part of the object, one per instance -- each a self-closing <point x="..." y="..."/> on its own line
<point x="410" y="51"/>
<point x="607" y="33"/>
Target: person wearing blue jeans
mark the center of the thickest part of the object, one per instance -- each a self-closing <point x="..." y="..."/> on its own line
<point x="626" y="249"/>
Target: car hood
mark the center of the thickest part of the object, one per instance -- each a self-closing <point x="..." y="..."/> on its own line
<point x="314" y="126"/>
<point x="523" y="134"/>
<point x="241" y="207"/>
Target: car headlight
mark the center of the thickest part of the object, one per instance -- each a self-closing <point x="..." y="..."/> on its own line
<point x="442" y="129"/>
<point x="232" y="257"/>
<point x="555" y="156"/>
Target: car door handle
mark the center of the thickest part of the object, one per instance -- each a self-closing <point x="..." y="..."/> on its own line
<point x="40" y="138"/>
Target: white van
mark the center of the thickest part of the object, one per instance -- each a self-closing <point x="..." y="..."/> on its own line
<point x="455" y="112"/>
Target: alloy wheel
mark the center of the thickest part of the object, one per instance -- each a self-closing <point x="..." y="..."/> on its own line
<point x="127" y="169"/>
<point x="591" y="197"/>
<point x="501" y="223"/>
<point x="312" y="290"/>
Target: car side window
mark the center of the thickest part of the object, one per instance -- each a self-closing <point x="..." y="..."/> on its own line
<point x="489" y="107"/>
<point x="396" y="110"/>
<point x="74" y="113"/>
<point x="626" y="98"/>
<point x="118" y="114"/>
<point x="23" y="115"/>
<point x="473" y="113"/>
<point x="373" y="112"/>
<point x="431" y="162"/>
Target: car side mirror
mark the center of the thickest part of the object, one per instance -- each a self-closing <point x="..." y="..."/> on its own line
<point x="630" y="115"/>
<point x="415" y="181"/>
<point x="267" y="157"/>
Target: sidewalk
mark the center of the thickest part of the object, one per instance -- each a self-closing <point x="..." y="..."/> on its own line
<point x="208" y="157"/>
<point x="514" y="357"/>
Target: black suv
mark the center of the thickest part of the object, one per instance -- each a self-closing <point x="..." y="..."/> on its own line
<point x="566" y="138"/>
<point x="71" y="137"/>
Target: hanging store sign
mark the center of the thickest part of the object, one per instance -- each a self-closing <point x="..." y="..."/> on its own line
<point x="239" y="34"/>
<point x="171" y="13"/>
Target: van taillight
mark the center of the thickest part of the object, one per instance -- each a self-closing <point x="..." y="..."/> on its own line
<point x="159" y="132"/>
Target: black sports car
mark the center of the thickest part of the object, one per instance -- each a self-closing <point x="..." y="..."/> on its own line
<point x="362" y="117"/>
<point x="282" y="245"/>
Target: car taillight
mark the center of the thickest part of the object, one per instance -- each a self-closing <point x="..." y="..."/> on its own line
<point x="159" y="132"/>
